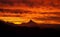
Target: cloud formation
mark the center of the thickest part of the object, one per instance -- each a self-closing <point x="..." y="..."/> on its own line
<point x="32" y="3"/>
<point x="31" y="9"/>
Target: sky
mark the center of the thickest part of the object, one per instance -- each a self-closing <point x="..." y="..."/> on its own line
<point x="39" y="11"/>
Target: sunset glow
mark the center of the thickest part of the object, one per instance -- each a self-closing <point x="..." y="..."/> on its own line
<point x="20" y="12"/>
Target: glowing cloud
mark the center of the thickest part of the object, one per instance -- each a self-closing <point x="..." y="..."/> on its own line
<point x="22" y="11"/>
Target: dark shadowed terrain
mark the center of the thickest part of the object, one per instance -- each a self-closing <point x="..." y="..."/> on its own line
<point x="10" y="29"/>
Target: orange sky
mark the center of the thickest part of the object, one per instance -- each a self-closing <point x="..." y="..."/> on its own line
<point x="39" y="11"/>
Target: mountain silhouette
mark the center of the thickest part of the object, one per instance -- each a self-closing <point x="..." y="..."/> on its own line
<point x="29" y="24"/>
<point x="8" y="27"/>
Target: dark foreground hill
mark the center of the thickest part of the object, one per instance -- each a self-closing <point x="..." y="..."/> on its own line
<point x="9" y="28"/>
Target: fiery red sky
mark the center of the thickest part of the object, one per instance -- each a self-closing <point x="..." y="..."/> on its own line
<point x="22" y="11"/>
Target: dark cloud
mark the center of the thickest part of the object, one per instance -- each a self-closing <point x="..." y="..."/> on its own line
<point x="1" y="10"/>
<point x="7" y="2"/>
<point x="54" y="4"/>
<point x="53" y="18"/>
<point x="57" y="19"/>
<point x="20" y="11"/>
<point x="32" y="3"/>
<point x="4" y="10"/>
